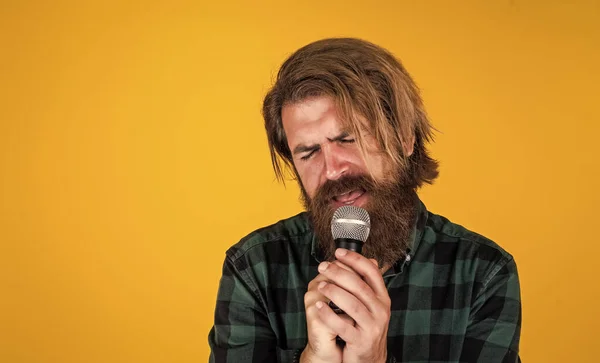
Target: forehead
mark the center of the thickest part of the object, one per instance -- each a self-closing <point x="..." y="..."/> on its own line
<point x="313" y="115"/>
<point x="307" y="110"/>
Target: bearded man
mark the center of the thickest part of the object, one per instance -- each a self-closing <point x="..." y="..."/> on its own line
<point x="346" y="119"/>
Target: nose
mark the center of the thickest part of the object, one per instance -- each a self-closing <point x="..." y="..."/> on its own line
<point x="335" y="165"/>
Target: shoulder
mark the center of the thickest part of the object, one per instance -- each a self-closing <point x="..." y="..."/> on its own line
<point x="451" y="243"/>
<point x="447" y="231"/>
<point x="293" y="232"/>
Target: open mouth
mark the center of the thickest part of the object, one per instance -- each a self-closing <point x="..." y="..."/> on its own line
<point x="349" y="197"/>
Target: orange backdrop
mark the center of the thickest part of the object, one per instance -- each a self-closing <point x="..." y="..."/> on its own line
<point x="132" y="154"/>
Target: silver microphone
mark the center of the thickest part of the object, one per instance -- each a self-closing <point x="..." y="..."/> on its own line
<point x="350" y="227"/>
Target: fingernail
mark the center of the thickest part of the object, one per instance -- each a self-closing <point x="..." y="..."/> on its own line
<point x="319" y="304"/>
<point x="323" y="266"/>
<point x="341" y="252"/>
<point x="322" y="284"/>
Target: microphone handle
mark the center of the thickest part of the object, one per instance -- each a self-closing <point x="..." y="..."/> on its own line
<point x="352" y="245"/>
<point x="349" y="244"/>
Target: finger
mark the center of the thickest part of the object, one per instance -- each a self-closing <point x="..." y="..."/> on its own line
<point x="317" y="328"/>
<point x="353" y="283"/>
<point x="351" y="305"/>
<point x="313" y="321"/>
<point x="311" y="297"/>
<point x="345" y="267"/>
<point x="364" y="268"/>
<point x="341" y="326"/>
<point x="347" y="318"/>
<point x="312" y="285"/>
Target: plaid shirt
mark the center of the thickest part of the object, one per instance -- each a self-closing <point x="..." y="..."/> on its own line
<point x="455" y="298"/>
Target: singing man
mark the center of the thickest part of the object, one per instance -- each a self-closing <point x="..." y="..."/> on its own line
<point x="345" y="118"/>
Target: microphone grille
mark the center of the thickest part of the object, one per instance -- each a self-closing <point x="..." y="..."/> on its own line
<point x="351" y="222"/>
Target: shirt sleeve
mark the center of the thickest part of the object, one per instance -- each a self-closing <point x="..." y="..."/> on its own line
<point x="495" y="325"/>
<point x="241" y="332"/>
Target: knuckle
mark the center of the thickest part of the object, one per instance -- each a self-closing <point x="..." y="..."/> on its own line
<point x="355" y="256"/>
<point x="352" y="257"/>
<point x="347" y="318"/>
<point x="333" y="268"/>
<point x="306" y="299"/>
<point x="376" y="331"/>
<point x="387" y="301"/>
<point x="372" y="271"/>
<point x="387" y="309"/>
<point x="346" y="328"/>
<point x="311" y="312"/>
<point x="310" y="297"/>
<point x="365" y="290"/>
<point x="314" y="282"/>
<point x="339" y="264"/>
<point x="335" y="271"/>
<point x="387" y="314"/>
<point x="326" y="288"/>
<point x="384" y="313"/>
<point x="355" y="309"/>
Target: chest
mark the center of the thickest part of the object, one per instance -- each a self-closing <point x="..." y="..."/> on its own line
<point x="429" y="313"/>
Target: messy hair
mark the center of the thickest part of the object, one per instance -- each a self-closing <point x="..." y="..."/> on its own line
<point x="372" y="92"/>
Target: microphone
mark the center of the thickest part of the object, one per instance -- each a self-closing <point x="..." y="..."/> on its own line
<point x="350" y="227"/>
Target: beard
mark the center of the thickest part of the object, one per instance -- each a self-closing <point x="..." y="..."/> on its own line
<point x="391" y="207"/>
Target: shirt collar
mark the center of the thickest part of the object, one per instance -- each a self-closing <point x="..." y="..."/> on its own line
<point x="315" y="251"/>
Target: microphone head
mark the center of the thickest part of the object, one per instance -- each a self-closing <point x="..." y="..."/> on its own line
<point x="351" y="222"/>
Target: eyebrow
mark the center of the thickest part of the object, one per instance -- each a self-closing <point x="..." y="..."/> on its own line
<point x="304" y="148"/>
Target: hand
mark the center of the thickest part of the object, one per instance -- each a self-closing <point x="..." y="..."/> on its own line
<point x="362" y="295"/>
<point x="321" y="345"/>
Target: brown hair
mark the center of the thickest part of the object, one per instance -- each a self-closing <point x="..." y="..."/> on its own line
<point x="371" y="89"/>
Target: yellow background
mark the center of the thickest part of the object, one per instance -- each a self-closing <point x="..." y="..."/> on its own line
<point x="132" y="154"/>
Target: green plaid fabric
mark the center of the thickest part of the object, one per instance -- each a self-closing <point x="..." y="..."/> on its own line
<point x="455" y="298"/>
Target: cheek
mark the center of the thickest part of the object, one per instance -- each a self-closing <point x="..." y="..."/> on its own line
<point x="309" y="178"/>
<point x="380" y="166"/>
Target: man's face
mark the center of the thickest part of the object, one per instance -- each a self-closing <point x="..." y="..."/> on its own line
<point x="323" y="150"/>
<point x="333" y="173"/>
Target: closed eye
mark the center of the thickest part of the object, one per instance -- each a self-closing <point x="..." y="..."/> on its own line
<point x="309" y="155"/>
<point x="343" y="138"/>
